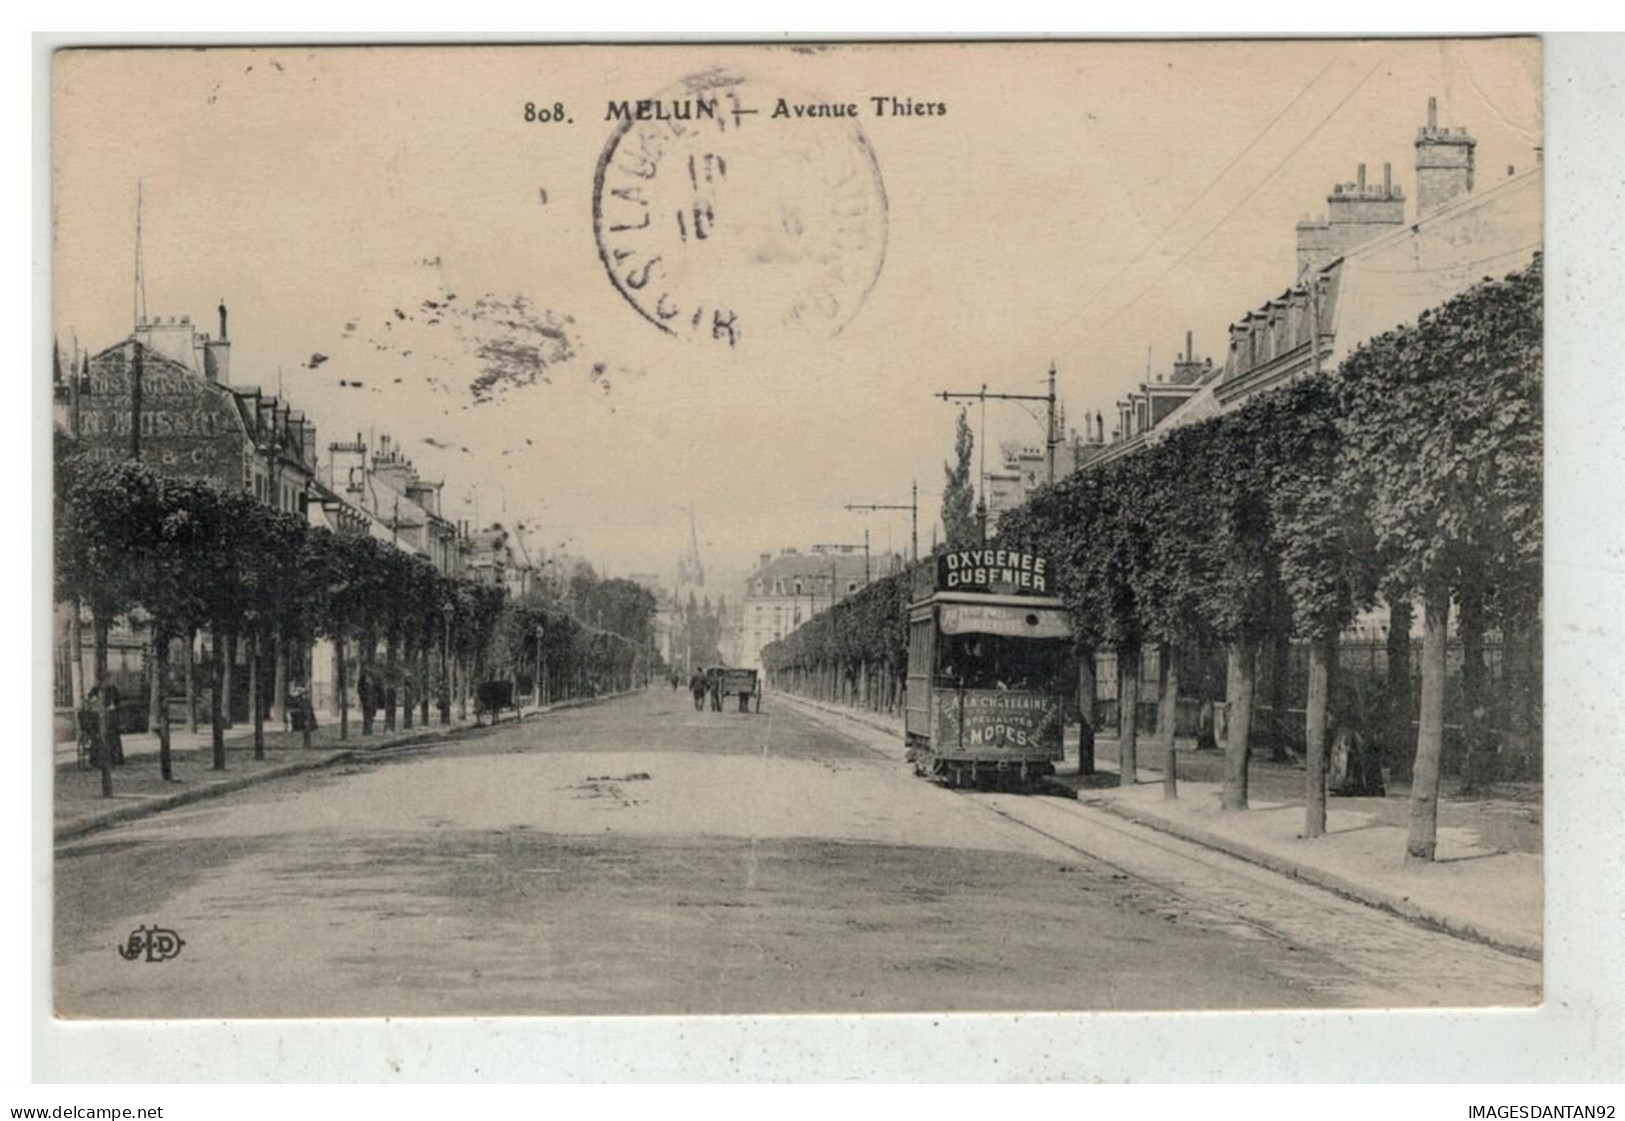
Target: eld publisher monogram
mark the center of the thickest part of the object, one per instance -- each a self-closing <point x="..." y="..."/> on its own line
<point x="155" y="944"/>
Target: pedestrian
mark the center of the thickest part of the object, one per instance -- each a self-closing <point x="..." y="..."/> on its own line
<point x="716" y="690"/>
<point x="1205" y="739"/>
<point x="696" y="686"/>
<point x="115" y="741"/>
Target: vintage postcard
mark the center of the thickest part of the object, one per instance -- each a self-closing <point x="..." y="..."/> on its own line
<point x="701" y="529"/>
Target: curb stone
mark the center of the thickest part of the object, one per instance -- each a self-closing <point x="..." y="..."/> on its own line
<point x="95" y="823"/>
<point x="1398" y="905"/>
<point x="109" y="818"/>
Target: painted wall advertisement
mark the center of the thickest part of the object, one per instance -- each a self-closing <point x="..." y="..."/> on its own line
<point x="188" y="426"/>
<point x="991" y="722"/>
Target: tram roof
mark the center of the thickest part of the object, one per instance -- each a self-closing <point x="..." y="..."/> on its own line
<point x="990" y="598"/>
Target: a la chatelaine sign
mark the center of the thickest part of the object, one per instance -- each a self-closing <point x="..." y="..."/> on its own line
<point x="994" y="571"/>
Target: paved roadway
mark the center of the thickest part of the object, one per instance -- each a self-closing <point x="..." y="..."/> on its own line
<point x="638" y="856"/>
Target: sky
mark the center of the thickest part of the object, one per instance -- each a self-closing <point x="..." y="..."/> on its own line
<point x="388" y="217"/>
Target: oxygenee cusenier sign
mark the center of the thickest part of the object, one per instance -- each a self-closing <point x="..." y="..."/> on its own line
<point x="998" y="571"/>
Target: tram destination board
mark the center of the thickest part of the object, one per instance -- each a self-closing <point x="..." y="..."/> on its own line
<point x="994" y="571"/>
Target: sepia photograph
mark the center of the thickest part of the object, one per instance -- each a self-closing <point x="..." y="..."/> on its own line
<point x="730" y="529"/>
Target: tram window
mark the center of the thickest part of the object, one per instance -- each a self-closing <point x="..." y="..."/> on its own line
<point x="981" y="661"/>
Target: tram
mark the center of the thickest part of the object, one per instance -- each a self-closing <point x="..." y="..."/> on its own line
<point x="988" y="646"/>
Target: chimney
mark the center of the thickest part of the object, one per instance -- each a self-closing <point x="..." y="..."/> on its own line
<point x="1444" y="163"/>
<point x="217" y="353"/>
<point x="1355" y="213"/>
<point x="1189" y="348"/>
<point x="1387" y="178"/>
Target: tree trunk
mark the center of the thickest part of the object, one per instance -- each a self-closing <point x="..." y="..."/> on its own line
<point x="1168" y="716"/>
<point x="1398" y="737"/>
<point x="462" y="690"/>
<point x="189" y="661"/>
<point x="104" y="720"/>
<point x="1128" y="704"/>
<point x="366" y="684"/>
<point x="423" y="682"/>
<point x="307" y="671"/>
<point x="1239" y="706"/>
<point x="1430" y="727"/>
<point x="76" y="657"/>
<point x="1478" y="764"/>
<point x="408" y="686"/>
<point x="391" y="670"/>
<point x="1086" y="712"/>
<point x="1322" y="654"/>
<point x="256" y="713"/>
<point x="160" y="657"/>
<point x="279" y="686"/>
<point x="341" y="685"/>
<point x="152" y="682"/>
<point x="228" y="672"/>
<point x="217" y="679"/>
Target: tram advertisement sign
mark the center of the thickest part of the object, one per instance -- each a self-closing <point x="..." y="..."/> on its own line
<point x="995" y="721"/>
<point x="997" y="571"/>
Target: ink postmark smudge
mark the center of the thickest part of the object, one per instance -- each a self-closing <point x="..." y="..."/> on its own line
<point x="719" y="224"/>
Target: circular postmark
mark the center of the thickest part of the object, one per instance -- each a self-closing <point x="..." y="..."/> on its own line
<point x="717" y="219"/>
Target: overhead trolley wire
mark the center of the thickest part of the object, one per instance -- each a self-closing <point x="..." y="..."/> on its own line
<point x="1198" y="197"/>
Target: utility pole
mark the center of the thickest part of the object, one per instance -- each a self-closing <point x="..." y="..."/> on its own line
<point x="832" y="574"/>
<point x="984" y="397"/>
<point x="138" y="312"/>
<point x="135" y="399"/>
<point x="913" y="507"/>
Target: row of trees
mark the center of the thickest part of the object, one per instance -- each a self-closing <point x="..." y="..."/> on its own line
<point x="855" y="653"/>
<point x="193" y="558"/>
<point x="1410" y="474"/>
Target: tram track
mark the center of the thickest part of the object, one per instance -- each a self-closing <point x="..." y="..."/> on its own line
<point x="1373" y="950"/>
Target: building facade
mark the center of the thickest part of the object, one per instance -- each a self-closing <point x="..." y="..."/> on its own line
<point x="786" y="590"/>
<point x="1365" y="267"/>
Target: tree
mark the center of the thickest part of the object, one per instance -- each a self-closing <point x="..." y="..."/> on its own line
<point x="1061" y="522"/>
<point x="1175" y="571"/>
<point x="1441" y="424"/>
<point x="958" y="492"/>
<point x="106" y="519"/>
<point x="1242" y="598"/>
<point x="172" y="581"/>
<point x="1327" y="561"/>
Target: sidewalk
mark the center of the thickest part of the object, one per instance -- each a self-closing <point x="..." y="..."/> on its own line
<point x="1485" y="885"/>
<point x="140" y="790"/>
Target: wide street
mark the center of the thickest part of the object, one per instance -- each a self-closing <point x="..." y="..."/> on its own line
<point x="637" y="856"/>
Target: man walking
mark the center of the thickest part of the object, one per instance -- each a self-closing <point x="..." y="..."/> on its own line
<point x="696" y="686"/>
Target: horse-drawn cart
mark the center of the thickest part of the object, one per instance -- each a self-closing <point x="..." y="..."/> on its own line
<point x="745" y="684"/>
